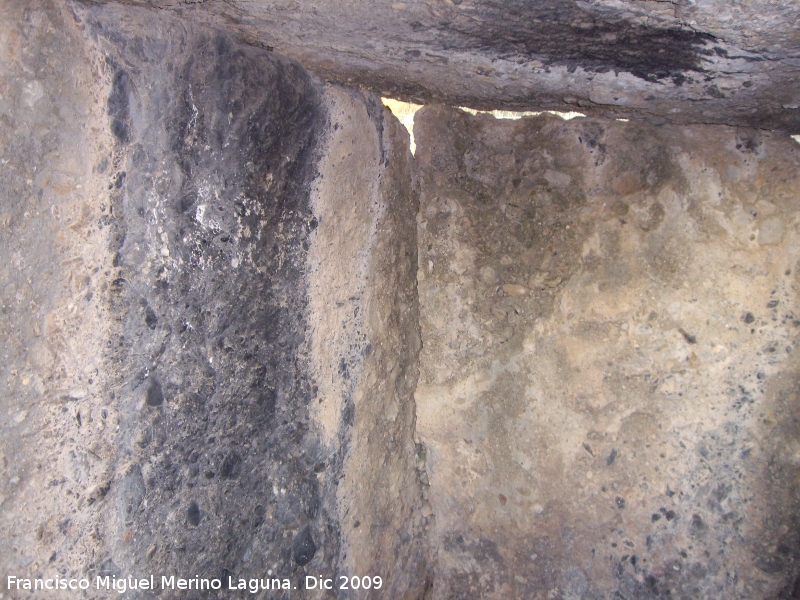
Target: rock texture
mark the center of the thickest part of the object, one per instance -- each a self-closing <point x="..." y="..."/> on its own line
<point x="681" y="61"/>
<point x="57" y="419"/>
<point x="608" y="394"/>
<point x="365" y="332"/>
<point x="216" y="362"/>
<point x="212" y="330"/>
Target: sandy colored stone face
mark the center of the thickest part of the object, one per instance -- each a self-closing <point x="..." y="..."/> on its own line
<point x="58" y="426"/>
<point x="608" y="393"/>
<point x="365" y="340"/>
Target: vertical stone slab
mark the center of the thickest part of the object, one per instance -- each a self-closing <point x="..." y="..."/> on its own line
<point x="608" y="386"/>
<point x="219" y="460"/>
<point x="364" y="310"/>
<point x="57" y="419"/>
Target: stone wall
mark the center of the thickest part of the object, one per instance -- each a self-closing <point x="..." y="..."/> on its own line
<point x="608" y="393"/>
<point x="213" y="326"/>
<point x="216" y="362"/>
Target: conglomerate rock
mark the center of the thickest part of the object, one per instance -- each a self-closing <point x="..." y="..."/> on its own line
<point x="213" y="339"/>
<point x="211" y="326"/>
<point x="609" y="390"/>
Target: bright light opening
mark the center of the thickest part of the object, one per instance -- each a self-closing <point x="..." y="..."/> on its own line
<point x="404" y="111"/>
<point x="510" y="114"/>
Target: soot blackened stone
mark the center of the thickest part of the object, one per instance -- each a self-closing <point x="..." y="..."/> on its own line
<point x="698" y="524"/>
<point x="563" y="33"/>
<point x="772" y="565"/>
<point x="259" y="515"/>
<point x="303" y="547"/>
<point x="235" y="131"/>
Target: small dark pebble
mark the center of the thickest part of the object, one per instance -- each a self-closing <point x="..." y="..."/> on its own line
<point x="150" y="318"/>
<point x="612" y="456"/>
<point x="748" y="317"/>
<point x="154" y="396"/>
<point x="689" y="337"/>
<point x="304" y="548"/>
<point x="656" y="517"/>
<point x="231" y="466"/>
<point x="193" y="514"/>
<point x="259" y="515"/>
<point x="770" y="564"/>
<point x="620" y="502"/>
<point x="772" y="303"/>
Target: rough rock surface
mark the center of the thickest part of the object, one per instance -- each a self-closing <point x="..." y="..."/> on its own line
<point x="365" y="328"/>
<point x="682" y="61"/>
<point x="57" y="420"/>
<point x="608" y="391"/>
<point x="180" y="396"/>
<point x="212" y="337"/>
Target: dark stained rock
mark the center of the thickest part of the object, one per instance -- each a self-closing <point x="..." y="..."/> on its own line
<point x="683" y="62"/>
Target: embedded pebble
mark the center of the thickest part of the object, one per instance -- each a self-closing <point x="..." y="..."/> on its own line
<point x="516" y="290"/>
<point x="771" y="231"/>
<point x="499" y="312"/>
<point x="488" y="275"/>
